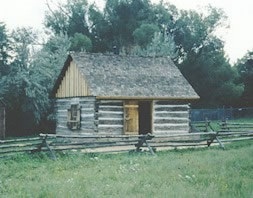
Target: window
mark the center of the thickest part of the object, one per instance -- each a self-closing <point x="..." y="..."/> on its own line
<point x="74" y="115"/>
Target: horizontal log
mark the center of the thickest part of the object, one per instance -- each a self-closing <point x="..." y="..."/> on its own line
<point x="110" y="119"/>
<point x="94" y="142"/>
<point x="67" y="106"/>
<point x="235" y="131"/>
<point x="171" y="106"/>
<point x="76" y="132"/>
<point x="157" y="103"/>
<point x="90" y="146"/>
<point x="110" y="126"/>
<point x="20" y="140"/>
<point x="170" y="120"/>
<point x="17" y="145"/>
<point x="178" y="141"/>
<point x="110" y="102"/>
<point x="161" y="114"/>
<point x="178" y="145"/>
<point x="237" y="127"/>
<point x="3" y="152"/>
<point x="240" y="124"/>
<point x="166" y="132"/>
<point x="236" y="139"/>
<point x="170" y="127"/>
<point x="186" y="134"/>
<point x="110" y="115"/>
<point x="234" y="136"/>
<point x="239" y="132"/>
<point x="110" y="112"/>
<point x="172" y="124"/>
<point x="105" y="132"/>
<point x="111" y="122"/>
<point x="110" y="107"/>
<point x="127" y="136"/>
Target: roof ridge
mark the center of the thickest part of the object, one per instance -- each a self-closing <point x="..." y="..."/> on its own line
<point x="114" y="55"/>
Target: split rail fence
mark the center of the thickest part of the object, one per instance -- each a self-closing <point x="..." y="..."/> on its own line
<point x="204" y="136"/>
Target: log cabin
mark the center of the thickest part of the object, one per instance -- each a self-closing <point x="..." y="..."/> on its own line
<point x="108" y="94"/>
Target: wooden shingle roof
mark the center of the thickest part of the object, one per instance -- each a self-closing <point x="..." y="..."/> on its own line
<point x="130" y="76"/>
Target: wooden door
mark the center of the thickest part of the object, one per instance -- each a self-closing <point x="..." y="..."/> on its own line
<point x="131" y="117"/>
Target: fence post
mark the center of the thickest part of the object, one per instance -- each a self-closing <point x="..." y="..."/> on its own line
<point x="142" y="140"/>
<point x="44" y="143"/>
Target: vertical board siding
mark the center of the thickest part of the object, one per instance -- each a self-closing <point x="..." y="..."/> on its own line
<point x="170" y="118"/>
<point x="87" y="105"/>
<point x="110" y="117"/>
<point x="73" y="83"/>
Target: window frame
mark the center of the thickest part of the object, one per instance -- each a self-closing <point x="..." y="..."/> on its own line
<point x="74" y="117"/>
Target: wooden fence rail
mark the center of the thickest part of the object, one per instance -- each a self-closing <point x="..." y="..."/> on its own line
<point x="10" y="147"/>
<point x="106" y="143"/>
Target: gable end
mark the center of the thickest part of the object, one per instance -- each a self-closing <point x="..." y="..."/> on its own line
<point x="71" y="82"/>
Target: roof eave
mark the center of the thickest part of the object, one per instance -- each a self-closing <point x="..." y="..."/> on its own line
<point x="145" y="98"/>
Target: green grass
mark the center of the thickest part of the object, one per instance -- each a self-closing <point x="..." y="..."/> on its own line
<point x="206" y="172"/>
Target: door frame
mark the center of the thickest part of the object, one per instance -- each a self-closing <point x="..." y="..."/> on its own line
<point x="135" y="104"/>
<point x="131" y="117"/>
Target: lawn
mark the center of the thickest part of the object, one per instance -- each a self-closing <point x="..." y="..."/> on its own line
<point x="204" y="172"/>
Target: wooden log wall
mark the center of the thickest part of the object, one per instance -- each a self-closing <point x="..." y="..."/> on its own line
<point x="87" y="105"/>
<point x="110" y="117"/>
<point x="170" y="118"/>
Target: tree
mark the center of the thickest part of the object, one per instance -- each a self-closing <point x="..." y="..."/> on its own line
<point x="192" y="30"/>
<point x="144" y="34"/>
<point x="20" y="88"/>
<point x="245" y="68"/>
<point x="202" y="58"/>
<point x="4" y="51"/>
<point x="69" y="18"/>
<point x="211" y="75"/>
<point x="161" y="45"/>
<point x="46" y="67"/>
<point x="30" y="80"/>
<point x="80" y="42"/>
<point x="116" y="24"/>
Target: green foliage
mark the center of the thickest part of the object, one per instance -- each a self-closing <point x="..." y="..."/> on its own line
<point x="181" y="173"/>
<point x="46" y="67"/>
<point x="69" y="18"/>
<point x="30" y="80"/>
<point x="194" y="30"/>
<point x="80" y="42"/>
<point x="116" y="24"/>
<point x="245" y="67"/>
<point x="144" y="34"/>
<point x="159" y="46"/>
<point x="202" y="59"/>
<point x="4" y="51"/>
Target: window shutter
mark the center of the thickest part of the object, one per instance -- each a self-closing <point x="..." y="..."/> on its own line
<point x="74" y="117"/>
